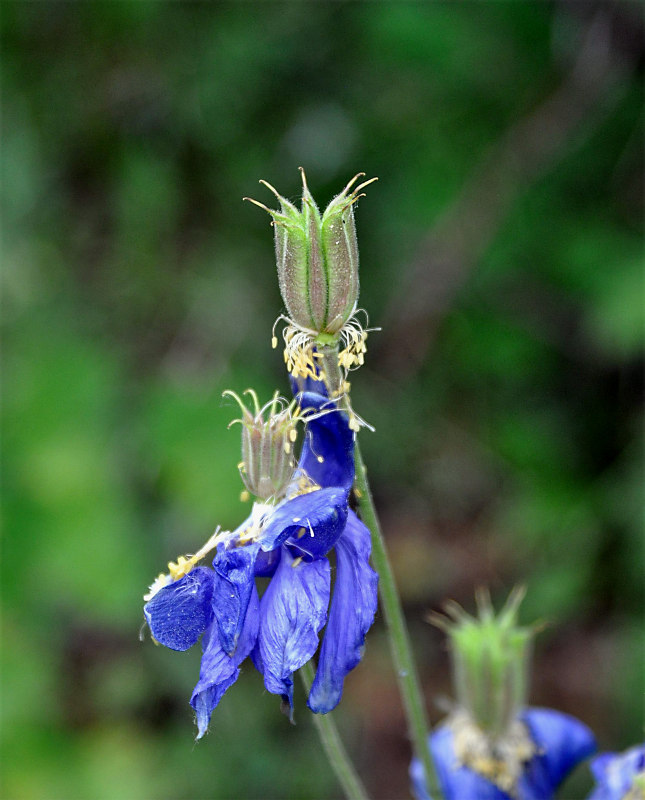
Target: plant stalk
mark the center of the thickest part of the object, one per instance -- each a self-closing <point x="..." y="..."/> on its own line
<point x="334" y="748"/>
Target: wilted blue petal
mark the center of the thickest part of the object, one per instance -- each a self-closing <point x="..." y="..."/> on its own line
<point x="327" y="455"/>
<point x="292" y="610"/>
<point x="180" y="612"/>
<point x="232" y="587"/>
<point x="562" y="743"/>
<point x="457" y="782"/>
<point x="615" y="773"/>
<point x="267" y="563"/>
<point x="218" y="670"/>
<point x="322" y="512"/>
<point x="351" y="614"/>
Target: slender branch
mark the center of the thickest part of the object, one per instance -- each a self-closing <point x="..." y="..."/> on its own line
<point x="400" y="645"/>
<point x="334" y="748"/>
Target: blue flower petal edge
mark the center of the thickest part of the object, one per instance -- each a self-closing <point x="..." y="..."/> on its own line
<point x="616" y="774"/>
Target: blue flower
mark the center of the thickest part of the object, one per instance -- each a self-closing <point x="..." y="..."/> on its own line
<point x="619" y="776"/>
<point x="545" y="746"/>
<point x="287" y="541"/>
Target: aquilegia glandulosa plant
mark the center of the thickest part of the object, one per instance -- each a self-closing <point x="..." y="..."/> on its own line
<point x="300" y="511"/>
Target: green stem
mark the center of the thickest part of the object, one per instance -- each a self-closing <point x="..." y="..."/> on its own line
<point x="400" y="645"/>
<point x="334" y="748"/>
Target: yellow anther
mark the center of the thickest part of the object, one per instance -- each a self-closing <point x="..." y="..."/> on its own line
<point x="296" y="561"/>
<point x="245" y="496"/>
<point x="320" y="459"/>
<point x="274" y="342"/>
<point x="293" y="434"/>
<point x="287" y="447"/>
<point x="301" y="532"/>
<point x="182" y="567"/>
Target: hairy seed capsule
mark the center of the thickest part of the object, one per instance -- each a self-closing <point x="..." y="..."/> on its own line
<point x="317" y="258"/>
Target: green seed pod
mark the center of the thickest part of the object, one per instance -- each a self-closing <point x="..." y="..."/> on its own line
<point x="267" y="464"/>
<point x="317" y="259"/>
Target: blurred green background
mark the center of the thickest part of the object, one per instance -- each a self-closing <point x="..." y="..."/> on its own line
<point x="502" y="256"/>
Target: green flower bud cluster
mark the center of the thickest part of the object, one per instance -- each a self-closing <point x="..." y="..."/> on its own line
<point x="490" y="659"/>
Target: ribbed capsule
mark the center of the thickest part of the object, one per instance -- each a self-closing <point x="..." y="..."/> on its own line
<point x="267" y="464"/>
<point x="317" y="258"/>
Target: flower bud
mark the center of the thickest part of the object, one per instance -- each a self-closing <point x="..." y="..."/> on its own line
<point x="490" y="659"/>
<point x="317" y="260"/>
<point x="267" y="464"/>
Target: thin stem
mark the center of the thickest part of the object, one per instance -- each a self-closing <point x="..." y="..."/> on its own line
<point x="400" y="645"/>
<point x="334" y="748"/>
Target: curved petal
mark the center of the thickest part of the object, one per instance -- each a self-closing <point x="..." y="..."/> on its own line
<point x="231" y="591"/>
<point x="352" y="611"/>
<point x="457" y="782"/>
<point x="293" y="610"/>
<point x="219" y="670"/>
<point x="327" y="455"/>
<point x="562" y="742"/>
<point x="313" y="521"/>
<point x="179" y="613"/>
<point x="615" y="773"/>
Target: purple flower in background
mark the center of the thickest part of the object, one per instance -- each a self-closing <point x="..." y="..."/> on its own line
<point x="619" y="776"/>
<point x="546" y="744"/>
<point x="492" y="746"/>
<point x="300" y="515"/>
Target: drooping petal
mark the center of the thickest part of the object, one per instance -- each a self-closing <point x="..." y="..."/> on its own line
<point x="616" y="773"/>
<point x="219" y="670"/>
<point x="314" y="520"/>
<point x="231" y="591"/>
<point x="179" y="613"/>
<point x="327" y="455"/>
<point x="562" y="742"/>
<point x="457" y="782"/>
<point x="292" y="610"/>
<point x="352" y="611"/>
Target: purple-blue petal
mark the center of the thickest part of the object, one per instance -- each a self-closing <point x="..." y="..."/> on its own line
<point x="615" y="773"/>
<point x="457" y="782"/>
<point x="180" y="612"/>
<point x="267" y="563"/>
<point x="292" y="611"/>
<point x="327" y="455"/>
<point x="352" y="611"/>
<point x="218" y="670"/>
<point x="562" y="742"/>
<point x="234" y="572"/>
<point x="309" y="384"/>
<point x="322" y="512"/>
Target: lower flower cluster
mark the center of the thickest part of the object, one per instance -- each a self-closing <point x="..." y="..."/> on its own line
<point x="550" y="745"/>
<point x="286" y="539"/>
